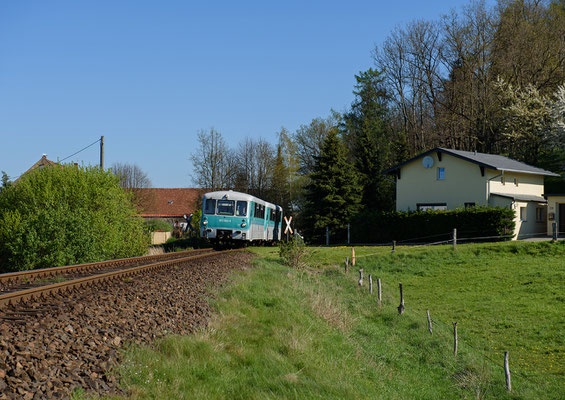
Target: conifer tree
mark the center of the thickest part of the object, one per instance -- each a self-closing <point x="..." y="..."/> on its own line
<point x="370" y="139"/>
<point x="333" y="195"/>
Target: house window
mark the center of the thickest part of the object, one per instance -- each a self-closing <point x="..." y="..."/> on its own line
<point x="470" y="204"/>
<point x="503" y="180"/>
<point x="523" y="213"/>
<point x="539" y="214"/>
<point x="440" y="174"/>
<point x="515" y="181"/>
<point x="431" y="206"/>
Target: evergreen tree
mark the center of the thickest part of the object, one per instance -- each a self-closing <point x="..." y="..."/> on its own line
<point x="5" y="183"/>
<point x="333" y="195"/>
<point x="369" y="139"/>
<point x="279" y="193"/>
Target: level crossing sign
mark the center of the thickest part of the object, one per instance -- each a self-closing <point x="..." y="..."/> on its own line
<point x="288" y="228"/>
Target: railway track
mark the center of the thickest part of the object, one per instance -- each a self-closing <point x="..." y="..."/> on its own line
<point x="27" y="285"/>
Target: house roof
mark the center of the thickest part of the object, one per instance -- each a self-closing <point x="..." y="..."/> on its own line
<point x="521" y="197"/>
<point x="43" y="162"/>
<point x="491" y="161"/>
<point x="167" y="203"/>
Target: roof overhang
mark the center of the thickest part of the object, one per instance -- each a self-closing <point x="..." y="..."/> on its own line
<point x="546" y="173"/>
<point x="521" y="197"/>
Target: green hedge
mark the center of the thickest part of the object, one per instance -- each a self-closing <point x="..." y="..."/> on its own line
<point x="430" y="226"/>
<point x="158" y="225"/>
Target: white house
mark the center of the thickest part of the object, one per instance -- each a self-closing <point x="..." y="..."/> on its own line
<point x="446" y="179"/>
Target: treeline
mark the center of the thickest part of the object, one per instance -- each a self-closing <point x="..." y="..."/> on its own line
<point x="490" y="79"/>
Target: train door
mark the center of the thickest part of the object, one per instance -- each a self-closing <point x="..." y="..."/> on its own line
<point x="253" y="220"/>
<point x="276" y="228"/>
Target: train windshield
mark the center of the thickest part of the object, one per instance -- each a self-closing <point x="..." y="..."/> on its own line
<point x="225" y="207"/>
<point x="210" y="207"/>
<point x="241" y="209"/>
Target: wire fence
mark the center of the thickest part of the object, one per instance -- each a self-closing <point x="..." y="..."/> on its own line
<point x="483" y="349"/>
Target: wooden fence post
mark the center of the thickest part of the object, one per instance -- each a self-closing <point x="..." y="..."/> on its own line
<point x="507" y="372"/>
<point x="370" y="284"/>
<point x="454" y="238"/>
<point x="353" y="256"/>
<point x="429" y="321"/>
<point x="401" y="306"/>
<point x="361" y="277"/>
<point x="393" y="246"/>
<point x="455" y="338"/>
<point x="379" y="291"/>
<point x="346" y="263"/>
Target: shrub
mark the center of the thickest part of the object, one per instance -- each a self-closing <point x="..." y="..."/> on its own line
<point x="428" y="226"/>
<point x="158" y="225"/>
<point x="293" y="252"/>
<point x="67" y="215"/>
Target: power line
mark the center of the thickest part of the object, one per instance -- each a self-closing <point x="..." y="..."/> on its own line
<point x="74" y="154"/>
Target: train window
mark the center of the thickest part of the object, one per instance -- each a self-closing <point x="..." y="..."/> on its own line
<point x="241" y="209"/>
<point x="210" y="208"/>
<point x="259" y="211"/>
<point x="225" y="207"/>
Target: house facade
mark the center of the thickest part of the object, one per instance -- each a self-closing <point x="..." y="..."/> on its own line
<point x="446" y="179"/>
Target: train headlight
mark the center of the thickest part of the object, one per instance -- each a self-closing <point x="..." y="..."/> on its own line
<point x="205" y="223"/>
<point x="243" y="225"/>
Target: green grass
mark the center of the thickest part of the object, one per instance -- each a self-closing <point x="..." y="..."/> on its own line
<point x="282" y="333"/>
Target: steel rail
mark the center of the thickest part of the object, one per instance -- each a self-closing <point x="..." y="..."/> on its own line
<point x="54" y="271"/>
<point x="41" y="291"/>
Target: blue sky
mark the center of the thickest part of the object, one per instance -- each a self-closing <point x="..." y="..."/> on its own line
<point x="149" y="74"/>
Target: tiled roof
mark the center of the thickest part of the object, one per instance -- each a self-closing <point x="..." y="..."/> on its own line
<point x="155" y="202"/>
<point x="492" y="161"/>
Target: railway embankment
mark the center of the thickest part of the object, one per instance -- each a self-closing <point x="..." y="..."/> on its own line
<point x="51" y="346"/>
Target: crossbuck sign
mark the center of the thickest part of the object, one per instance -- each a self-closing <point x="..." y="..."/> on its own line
<point x="288" y="228"/>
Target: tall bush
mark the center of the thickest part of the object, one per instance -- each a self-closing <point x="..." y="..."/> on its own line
<point x="67" y="215"/>
<point x="428" y="226"/>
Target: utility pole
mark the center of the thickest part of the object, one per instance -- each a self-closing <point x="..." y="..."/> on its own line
<point x="102" y="153"/>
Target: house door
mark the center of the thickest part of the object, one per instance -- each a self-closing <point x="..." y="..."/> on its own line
<point x="561" y="227"/>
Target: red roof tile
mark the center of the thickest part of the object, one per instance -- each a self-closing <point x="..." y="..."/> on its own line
<point x="154" y="202"/>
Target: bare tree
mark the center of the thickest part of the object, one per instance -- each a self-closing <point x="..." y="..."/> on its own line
<point x="212" y="161"/>
<point x="310" y="138"/>
<point x="131" y="176"/>
<point x="265" y="159"/>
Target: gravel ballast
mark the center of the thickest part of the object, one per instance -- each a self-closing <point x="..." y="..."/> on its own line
<point x="49" y="348"/>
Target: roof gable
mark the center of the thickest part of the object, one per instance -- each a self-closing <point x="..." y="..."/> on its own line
<point x="492" y="161"/>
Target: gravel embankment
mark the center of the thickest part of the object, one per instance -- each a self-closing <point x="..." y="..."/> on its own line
<point x="73" y="340"/>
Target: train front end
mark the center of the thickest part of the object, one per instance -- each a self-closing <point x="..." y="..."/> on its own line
<point x="225" y="217"/>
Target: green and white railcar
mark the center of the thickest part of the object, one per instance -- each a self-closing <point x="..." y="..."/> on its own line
<point x="229" y="216"/>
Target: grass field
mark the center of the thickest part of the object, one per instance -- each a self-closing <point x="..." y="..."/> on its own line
<point x="313" y="333"/>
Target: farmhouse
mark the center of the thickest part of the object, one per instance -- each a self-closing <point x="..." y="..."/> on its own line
<point x="446" y="179"/>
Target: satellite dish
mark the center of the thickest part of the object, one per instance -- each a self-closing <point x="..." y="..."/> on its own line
<point x="428" y="162"/>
